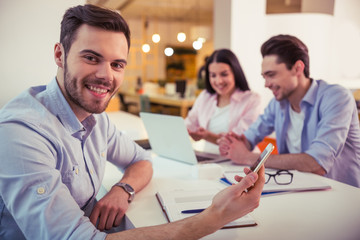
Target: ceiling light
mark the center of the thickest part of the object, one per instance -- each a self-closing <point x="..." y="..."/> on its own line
<point x="181" y="37"/>
<point x="146" y="48"/>
<point x="197" y="45"/>
<point x="169" y="51"/>
<point x="156" y="38"/>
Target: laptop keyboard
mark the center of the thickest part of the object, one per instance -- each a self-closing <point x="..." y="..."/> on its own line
<point x="202" y="158"/>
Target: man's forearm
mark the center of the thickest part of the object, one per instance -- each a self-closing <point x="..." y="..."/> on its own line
<point x="227" y="205"/>
<point x="138" y="175"/>
<point x="110" y="209"/>
<point x="191" y="229"/>
<point x="299" y="161"/>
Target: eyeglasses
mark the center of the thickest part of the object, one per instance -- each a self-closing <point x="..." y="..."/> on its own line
<point x="281" y="177"/>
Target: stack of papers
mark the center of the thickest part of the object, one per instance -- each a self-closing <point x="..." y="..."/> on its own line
<point x="301" y="182"/>
<point x="176" y="201"/>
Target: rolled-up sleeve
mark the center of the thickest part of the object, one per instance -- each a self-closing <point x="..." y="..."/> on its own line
<point x="121" y="150"/>
<point x="332" y="128"/>
<point x="33" y="191"/>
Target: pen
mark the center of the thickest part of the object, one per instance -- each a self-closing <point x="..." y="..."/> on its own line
<point x="227" y="182"/>
<point x="192" y="211"/>
<point x="224" y="180"/>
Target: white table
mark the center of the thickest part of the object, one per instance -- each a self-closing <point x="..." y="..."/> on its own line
<point x="330" y="214"/>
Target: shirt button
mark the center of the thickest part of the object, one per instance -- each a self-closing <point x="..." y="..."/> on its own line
<point x="41" y="190"/>
<point x="91" y="171"/>
<point x="103" y="154"/>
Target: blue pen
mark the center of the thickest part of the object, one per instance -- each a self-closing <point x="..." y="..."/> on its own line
<point x="192" y="211"/>
<point x="224" y="180"/>
<point x="227" y="182"/>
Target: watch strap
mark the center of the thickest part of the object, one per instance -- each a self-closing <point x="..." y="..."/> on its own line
<point x="127" y="188"/>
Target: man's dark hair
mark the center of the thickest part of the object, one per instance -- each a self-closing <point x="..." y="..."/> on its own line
<point x="93" y="16"/>
<point x="228" y="57"/>
<point x="288" y="50"/>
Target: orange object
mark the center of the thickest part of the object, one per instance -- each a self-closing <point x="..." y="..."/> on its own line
<point x="140" y="91"/>
<point x="262" y="145"/>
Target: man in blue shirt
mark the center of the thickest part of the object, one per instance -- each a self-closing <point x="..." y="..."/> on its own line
<point x="316" y="124"/>
<point x="55" y="141"/>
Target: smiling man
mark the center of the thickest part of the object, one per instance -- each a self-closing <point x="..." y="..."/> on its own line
<point x="316" y="124"/>
<point x="55" y="141"/>
<point x="92" y="72"/>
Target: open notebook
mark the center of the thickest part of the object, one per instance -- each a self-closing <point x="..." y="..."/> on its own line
<point x="169" y="138"/>
<point x="175" y="201"/>
<point x="301" y="181"/>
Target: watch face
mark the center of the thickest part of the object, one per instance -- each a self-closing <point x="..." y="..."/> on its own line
<point x="129" y="188"/>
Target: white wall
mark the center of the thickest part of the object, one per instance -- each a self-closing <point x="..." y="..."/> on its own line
<point x="28" y="32"/>
<point x="333" y="41"/>
<point x="248" y="33"/>
<point x="346" y="43"/>
<point x="315" y="30"/>
<point x="222" y="23"/>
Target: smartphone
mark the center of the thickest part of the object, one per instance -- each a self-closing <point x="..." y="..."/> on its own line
<point x="263" y="156"/>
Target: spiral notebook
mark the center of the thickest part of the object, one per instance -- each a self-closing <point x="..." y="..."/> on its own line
<point x="176" y="201"/>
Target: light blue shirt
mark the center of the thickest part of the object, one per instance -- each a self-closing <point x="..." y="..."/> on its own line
<point x="52" y="165"/>
<point x="331" y="133"/>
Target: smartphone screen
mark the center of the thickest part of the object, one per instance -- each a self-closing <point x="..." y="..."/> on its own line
<point x="263" y="156"/>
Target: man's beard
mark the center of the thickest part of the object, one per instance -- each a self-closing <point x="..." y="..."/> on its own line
<point x="73" y="93"/>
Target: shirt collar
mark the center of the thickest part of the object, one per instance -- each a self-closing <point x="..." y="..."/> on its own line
<point x="310" y="96"/>
<point x="61" y="108"/>
<point x="311" y="93"/>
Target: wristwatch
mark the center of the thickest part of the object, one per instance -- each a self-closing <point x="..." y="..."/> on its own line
<point x="127" y="189"/>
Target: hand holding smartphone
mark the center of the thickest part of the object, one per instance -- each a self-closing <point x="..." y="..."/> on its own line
<point x="262" y="158"/>
<point x="255" y="167"/>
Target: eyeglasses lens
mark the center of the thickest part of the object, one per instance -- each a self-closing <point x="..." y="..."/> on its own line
<point x="281" y="177"/>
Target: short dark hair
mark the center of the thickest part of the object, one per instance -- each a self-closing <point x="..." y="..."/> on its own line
<point x="288" y="50"/>
<point x="94" y="16"/>
<point x="228" y="57"/>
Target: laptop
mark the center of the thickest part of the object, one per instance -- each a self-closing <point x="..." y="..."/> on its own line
<point x="169" y="138"/>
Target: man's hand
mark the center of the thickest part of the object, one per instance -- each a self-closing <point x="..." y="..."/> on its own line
<point x="239" y="199"/>
<point x="237" y="149"/>
<point x="229" y="204"/>
<point x="110" y="209"/>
